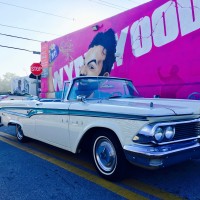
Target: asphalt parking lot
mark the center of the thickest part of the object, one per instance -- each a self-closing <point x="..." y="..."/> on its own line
<point x="27" y="176"/>
<point x="34" y="170"/>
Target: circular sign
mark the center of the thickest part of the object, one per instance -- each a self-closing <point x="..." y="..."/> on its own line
<point x="36" y="69"/>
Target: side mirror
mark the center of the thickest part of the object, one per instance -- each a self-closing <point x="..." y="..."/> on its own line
<point x="81" y="98"/>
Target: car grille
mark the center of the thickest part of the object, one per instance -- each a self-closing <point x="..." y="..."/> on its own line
<point x="187" y="130"/>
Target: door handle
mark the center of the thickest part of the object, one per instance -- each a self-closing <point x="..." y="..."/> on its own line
<point x="38" y="104"/>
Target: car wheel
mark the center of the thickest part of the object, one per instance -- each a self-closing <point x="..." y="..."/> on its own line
<point x="108" y="156"/>
<point x="20" y="134"/>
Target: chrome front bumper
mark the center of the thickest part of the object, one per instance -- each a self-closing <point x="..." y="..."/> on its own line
<point x="161" y="156"/>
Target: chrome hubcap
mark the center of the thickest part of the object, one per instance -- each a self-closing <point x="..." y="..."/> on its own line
<point x="105" y="155"/>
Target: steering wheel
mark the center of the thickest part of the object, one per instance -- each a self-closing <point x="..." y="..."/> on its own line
<point x="116" y="94"/>
<point x="194" y="95"/>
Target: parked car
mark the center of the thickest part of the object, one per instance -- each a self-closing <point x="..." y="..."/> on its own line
<point x="3" y="96"/>
<point x="108" y="116"/>
<point x="18" y="97"/>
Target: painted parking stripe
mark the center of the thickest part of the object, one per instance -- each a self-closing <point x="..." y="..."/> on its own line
<point x="95" y="179"/>
<point x="128" y="182"/>
<point x="63" y="154"/>
<point x="132" y="183"/>
<point x="151" y="190"/>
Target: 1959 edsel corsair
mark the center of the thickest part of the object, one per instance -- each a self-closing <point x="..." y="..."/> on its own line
<point x="107" y="115"/>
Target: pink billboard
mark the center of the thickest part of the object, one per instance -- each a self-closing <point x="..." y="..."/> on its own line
<point x="156" y="45"/>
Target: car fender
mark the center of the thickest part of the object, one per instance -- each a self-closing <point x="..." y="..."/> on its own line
<point x="111" y="124"/>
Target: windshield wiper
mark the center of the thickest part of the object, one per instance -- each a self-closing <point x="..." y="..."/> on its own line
<point x="113" y="97"/>
<point x="124" y="96"/>
<point x="130" y="97"/>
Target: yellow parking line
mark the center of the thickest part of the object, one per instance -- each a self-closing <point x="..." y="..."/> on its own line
<point x="151" y="190"/>
<point x="95" y="179"/>
<point x="129" y="182"/>
<point x="62" y="155"/>
<point x="8" y="135"/>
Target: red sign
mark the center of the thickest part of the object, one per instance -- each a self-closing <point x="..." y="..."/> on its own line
<point x="36" y="69"/>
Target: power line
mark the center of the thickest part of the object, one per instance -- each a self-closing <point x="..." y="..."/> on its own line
<point x="108" y="5"/>
<point x="39" y="11"/>
<point x="28" y="29"/>
<point x="16" y="48"/>
<point x="112" y="4"/>
<point x="134" y="1"/>
<point x="19" y="37"/>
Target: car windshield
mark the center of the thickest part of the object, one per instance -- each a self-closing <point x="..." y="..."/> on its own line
<point x="102" y="88"/>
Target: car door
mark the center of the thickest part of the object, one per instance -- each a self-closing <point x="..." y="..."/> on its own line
<point x="51" y="123"/>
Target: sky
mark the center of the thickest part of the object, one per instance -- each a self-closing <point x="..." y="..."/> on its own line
<point x="45" y="20"/>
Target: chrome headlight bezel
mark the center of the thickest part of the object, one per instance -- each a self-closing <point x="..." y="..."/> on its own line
<point x="155" y="133"/>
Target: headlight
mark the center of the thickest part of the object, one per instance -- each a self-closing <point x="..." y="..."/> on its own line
<point x="159" y="134"/>
<point x="169" y="132"/>
<point x="155" y="133"/>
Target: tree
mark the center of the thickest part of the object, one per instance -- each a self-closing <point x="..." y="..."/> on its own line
<point x="5" y="82"/>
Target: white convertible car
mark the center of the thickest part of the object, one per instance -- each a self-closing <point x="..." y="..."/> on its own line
<point x="108" y="116"/>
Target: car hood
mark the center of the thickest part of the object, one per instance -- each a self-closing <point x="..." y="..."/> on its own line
<point x="145" y="106"/>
